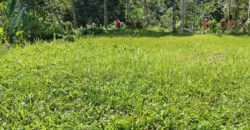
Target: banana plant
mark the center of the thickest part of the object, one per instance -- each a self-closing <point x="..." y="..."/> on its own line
<point x="16" y="21"/>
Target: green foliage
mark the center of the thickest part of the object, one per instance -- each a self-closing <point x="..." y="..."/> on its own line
<point x="2" y="12"/>
<point x="18" y="21"/>
<point x="14" y="22"/>
<point x="215" y="11"/>
<point x="196" y="82"/>
<point x="46" y="19"/>
<point x="214" y="26"/>
<point x="35" y="19"/>
<point x="87" y="31"/>
<point x="91" y="11"/>
<point x="136" y="14"/>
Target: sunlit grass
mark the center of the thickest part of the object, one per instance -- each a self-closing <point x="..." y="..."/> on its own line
<point x="172" y="82"/>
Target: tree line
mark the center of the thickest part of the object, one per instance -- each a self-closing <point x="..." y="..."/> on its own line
<point x="47" y="19"/>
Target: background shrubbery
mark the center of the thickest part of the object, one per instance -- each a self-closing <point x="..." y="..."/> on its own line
<point x="32" y="20"/>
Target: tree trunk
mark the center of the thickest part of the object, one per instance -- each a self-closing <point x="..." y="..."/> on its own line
<point x="197" y="13"/>
<point x="237" y="10"/>
<point x="174" y="17"/>
<point x="229" y="8"/>
<point x="182" y="15"/>
<point x="55" y="14"/>
<point x="145" y="10"/>
<point x="249" y="10"/>
<point x="74" y="13"/>
<point x="127" y="8"/>
<point x="248" y="20"/>
<point x="105" y="14"/>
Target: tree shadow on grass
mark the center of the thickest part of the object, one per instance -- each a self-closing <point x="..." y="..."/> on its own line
<point x="142" y="33"/>
<point x="238" y="34"/>
<point x="151" y="33"/>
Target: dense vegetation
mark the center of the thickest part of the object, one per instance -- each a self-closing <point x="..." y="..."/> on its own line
<point x="29" y="20"/>
<point x="173" y="82"/>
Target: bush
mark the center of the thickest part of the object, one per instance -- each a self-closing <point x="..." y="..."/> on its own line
<point x="69" y="38"/>
<point x="54" y="31"/>
<point x="214" y="26"/>
<point x="130" y="24"/>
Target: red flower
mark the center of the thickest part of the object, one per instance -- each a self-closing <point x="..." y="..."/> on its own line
<point x="117" y="23"/>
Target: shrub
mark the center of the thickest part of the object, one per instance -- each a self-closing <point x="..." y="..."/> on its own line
<point x="214" y="26"/>
<point x="130" y="24"/>
<point x="139" y="25"/>
<point x="69" y="38"/>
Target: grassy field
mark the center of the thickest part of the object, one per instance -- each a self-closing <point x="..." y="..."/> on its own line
<point x="171" y="82"/>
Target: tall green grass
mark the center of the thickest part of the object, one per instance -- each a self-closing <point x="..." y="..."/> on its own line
<point x="173" y="82"/>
